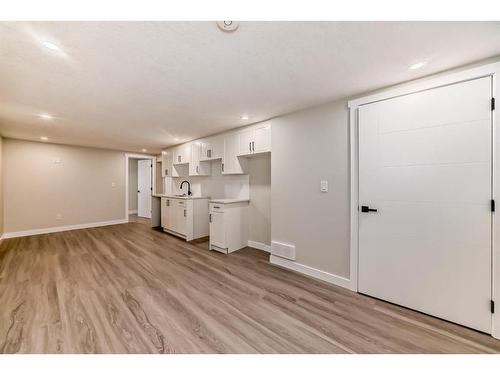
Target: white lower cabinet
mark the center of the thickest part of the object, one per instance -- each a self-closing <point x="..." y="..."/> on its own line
<point x="185" y="218"/>
<point x="228" y="225"/>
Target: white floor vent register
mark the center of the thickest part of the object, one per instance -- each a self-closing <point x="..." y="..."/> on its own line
<point x="283" y="250"/>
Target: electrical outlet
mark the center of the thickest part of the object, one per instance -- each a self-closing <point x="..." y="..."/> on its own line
<point x="113" y="184"/>
<point x="59" y="217"/>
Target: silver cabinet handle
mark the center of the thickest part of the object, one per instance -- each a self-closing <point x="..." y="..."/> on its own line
<point x="253" y="146"/>
<point x="250" y="146"/>
<point x="168" y="202"/>
<point x="166" y="171"/>
<point x="216" y="206"/>
<point x="209" y="218"/>
<point x="197" y="169"/>
<point x="184" y="213"/>
<point x="222" y="167"/>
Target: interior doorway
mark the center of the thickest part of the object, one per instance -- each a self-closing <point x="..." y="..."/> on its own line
<point x="140" y="190"/>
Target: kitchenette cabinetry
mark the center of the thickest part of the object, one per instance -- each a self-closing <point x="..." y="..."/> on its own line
<point x="212" y="148"/>
<point x="185" y="217"/>
<point x="193" y="158"/>
<point x="255" y="139"/>
<point x="182" y="154"/>
<point x="167" y="160"/>
<point x="197" y="167"/>
<point x="231" y="163"/>
<point x="228" y="224"/>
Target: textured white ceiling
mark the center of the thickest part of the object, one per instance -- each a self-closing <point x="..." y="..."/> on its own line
<point x="134" y="85"/>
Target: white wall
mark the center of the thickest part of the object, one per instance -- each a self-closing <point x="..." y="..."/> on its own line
<point x="259" y="171"/>
<point x="309" y="146"/>
<point x="132" y="184"/>
<point x="79" y="187"/>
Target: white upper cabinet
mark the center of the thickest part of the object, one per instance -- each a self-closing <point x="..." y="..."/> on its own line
<point x="193" y="158"/>
<point x="167" y="160"/>
<point x="231" y="164"/>
<point x="196" y="167"/>
<point x="182" y="154"/>
<point x="212" y="148"/>
<point x="262" y="141"/>
<point x="246" y="137"/>
<point x="254" y="140"/>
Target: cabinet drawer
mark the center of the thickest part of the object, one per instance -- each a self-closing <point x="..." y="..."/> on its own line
<point x="216" y="207"/>
<point x="178" y="202"/>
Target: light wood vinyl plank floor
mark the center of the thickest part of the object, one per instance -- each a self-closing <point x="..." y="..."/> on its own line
<point x="131" y="289"/>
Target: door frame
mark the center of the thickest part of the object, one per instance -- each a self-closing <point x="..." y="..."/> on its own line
<point x="424" y="84"/>
<point x="153" y="175"/>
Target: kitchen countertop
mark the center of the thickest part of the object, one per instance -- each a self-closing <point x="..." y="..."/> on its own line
<point x="229" y="200"/>
<point x="178" y="197"/>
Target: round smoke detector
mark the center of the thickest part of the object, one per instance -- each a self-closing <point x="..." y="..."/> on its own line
<point x="227" y="26"/>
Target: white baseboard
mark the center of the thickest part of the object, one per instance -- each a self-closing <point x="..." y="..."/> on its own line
<point x="313" y="272"/>
<point x="259" y="245"/>
<point x="132" y="212"/>
<point x="62" y="229"/>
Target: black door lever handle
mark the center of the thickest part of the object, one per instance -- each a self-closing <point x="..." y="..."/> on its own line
<point x="368" y="209"/>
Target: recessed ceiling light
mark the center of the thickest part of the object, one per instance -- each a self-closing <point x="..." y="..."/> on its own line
<point x="144" y="150"/>
<point x="418" y="65"/>
<point x="44" y="138"/>
<point x="45" y="116"/>
<point x="51" y="46"/>
<point x="244" y="117"/>
<point x="164" y="152"/>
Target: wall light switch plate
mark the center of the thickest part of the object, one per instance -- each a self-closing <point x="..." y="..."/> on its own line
<point x="113" y="184"/>
<point x="324" y="186"/>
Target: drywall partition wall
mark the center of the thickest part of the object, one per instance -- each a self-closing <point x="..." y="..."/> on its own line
<point x="310" y="146"/>
<point x="132" y="190"/>
<point x="49" y="185"/>
<point x="1" y="188"/>
<point x="259" y="171"/>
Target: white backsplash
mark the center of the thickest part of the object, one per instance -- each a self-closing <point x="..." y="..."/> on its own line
<point x="214" y="186"/>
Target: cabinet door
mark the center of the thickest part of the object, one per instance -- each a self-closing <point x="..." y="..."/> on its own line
<point x="181" y="220"/>
<point x="246" y="138"/>
<point x="164" y="167"/>
<point x="194" y="164"/>
<point x="163" y="216"/>
<point x="262" y="142"/>
<point x="169" y="215"/>
<point x="182" y="154"/>
<point x="216" y="147"/>
<point x="217" y="230"/>
<point x="230" y="162"/>
<point x="204" y="150"/>
<point x="167" y="169"/>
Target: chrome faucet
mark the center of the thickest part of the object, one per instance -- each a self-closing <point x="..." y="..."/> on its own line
<point x="189" y="187"/>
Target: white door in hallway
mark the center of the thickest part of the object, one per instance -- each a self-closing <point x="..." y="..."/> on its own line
<point x="144" y="188"/>
<point x="425" y="166"/>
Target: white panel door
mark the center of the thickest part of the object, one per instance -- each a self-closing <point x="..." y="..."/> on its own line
<point x="144" y="188"/>
<point x="425" y="166"/>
